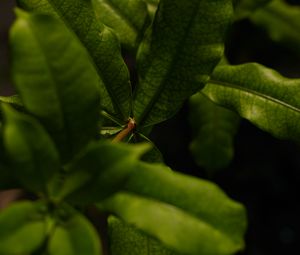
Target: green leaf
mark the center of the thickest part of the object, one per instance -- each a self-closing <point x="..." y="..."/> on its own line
<point x="14" y="101"/>
<point x="100" y="171"/>
<point x="261" y="95"/>
<point x="74" y="235"/>
<point x="188" y="215"/>
<point x="245" y="8"/>
<point x="126" y="17"/>
<point x="176" y="229"/>
<point x="31" y="150"/>
<point x="102" y="45"/>
<point x="127" y="240"/>
<point x="23" y="228"/>
<point x="153" y="155"/>
<point x="152" y="7"/>
<point x="282" y="23"/>
<point x="214" y="128"/>
<point x="51" y="71"/>
<point x="178" y="54"/>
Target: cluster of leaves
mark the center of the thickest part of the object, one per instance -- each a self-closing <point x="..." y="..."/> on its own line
<point x="75" y="97"/>
<point x="256" y="93"/>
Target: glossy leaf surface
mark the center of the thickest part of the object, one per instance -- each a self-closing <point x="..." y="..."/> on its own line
<point x="22" y="230"/>
<point x="30" y="149"/>
<point x="261" y="95"/>
<point x="214" y="128"/>
<point x="51" y="71"/>
<point x="282" y="23"/>
<point x="126" y="17"/>
<point x="102" y="45"/>
<point x="127" y="240"/>
<point x="176" y="229"/>
<point x="188" y="215"/>
<point x="75" y="235"/>
<point x="178" y="54"/>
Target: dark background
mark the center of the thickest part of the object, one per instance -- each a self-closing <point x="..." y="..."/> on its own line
<point x="265" y="174"/>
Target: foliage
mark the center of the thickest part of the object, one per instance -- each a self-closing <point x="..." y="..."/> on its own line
<point x="72" y="134"/>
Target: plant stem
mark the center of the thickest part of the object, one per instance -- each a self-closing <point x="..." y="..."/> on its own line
<point x="126" y="131"/>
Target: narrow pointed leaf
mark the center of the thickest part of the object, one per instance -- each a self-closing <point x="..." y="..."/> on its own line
<point x="23" y="228"/>
<point x="51" y="71"/>
<point x="126" y="17"/>
<point x="127" y="240"/>
<point x="188" y="215"/>
<point x="261" y="95"/>
<point x="74" y="235"/>
<point x="282" y="23"/>
<point x="102" y="45"/>
<point x="100" y="171"/>
<point x="214" y="128"/>
<point x="244" y="8"/>
<point x="31" y="151"/>
<point x="176" y="59"/>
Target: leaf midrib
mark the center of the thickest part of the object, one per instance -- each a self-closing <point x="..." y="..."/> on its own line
<point x="119" y="13"/>
<point x="65" y="126"/>
<point x="178" y="51"/>
<point x="115" y="103"/>
<point x="254" y="92"/>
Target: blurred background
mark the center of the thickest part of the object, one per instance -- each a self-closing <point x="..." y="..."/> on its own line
<point x="265" y="174"/>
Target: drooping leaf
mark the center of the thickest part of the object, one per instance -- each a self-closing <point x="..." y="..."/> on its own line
<point x="282" y="23"/>
<point x="56" y="80"/>
<point x="127" y="240"/>
<point x="33" y="155"/>
<point x="100" y="171"/>
<point x="23" y="228"/>
<point x="188" y="215"/>
<point x="126" y="17"/>
<point x="102" y="45"/>
<point x="214" y="128"/>
<point x="244" y="8"/>
<point x="261" y="95"/>
<point x="74" y="235"/>
<point x="178" y="54"/>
